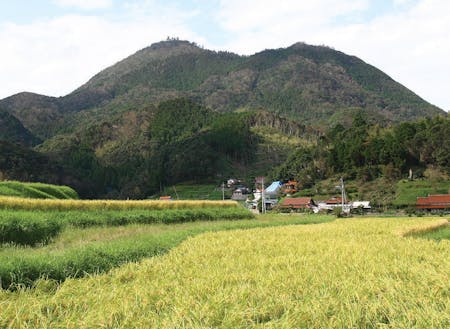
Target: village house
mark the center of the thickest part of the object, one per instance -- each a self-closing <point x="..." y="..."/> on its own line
<point x="435" y="202"/>
<point x="298" y="203"/>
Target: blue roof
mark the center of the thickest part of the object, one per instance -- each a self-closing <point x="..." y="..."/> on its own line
<point x="273" y="188"/>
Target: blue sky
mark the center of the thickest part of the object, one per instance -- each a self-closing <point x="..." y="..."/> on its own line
<point x="54" y="46"/>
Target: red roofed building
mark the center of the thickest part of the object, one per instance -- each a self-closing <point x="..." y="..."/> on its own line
<point x="436" y="201"/>
<point x="298" y="203"/>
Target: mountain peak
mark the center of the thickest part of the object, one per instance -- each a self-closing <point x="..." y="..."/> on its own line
<point x="173" y="43"/>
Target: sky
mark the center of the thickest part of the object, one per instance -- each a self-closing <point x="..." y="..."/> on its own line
<point x="52" y="47"/>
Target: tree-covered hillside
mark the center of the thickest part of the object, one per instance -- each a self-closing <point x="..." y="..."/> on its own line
<point x="366" y="152"/>
<point x="137" y="153"/>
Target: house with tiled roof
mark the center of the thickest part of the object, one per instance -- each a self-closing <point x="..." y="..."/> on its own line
<point x="435" y="202"/>
<point x="298" y="203"/>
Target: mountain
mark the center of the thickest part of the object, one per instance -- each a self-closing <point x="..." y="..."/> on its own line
<point x="12" y="130"/>
<point x="315" y="84"/>
<point x="175" y="112"/>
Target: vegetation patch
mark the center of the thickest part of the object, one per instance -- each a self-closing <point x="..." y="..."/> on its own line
<point x="16" y="229"/>
<point x="36" y="190"/>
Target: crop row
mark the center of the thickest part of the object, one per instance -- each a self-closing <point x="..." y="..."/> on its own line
<point x="29" y="228"/>
<point x="14" y="203"/>
<point x="23" y="266"/>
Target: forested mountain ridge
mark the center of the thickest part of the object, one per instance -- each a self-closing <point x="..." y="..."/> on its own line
<point x="314" y="84"/>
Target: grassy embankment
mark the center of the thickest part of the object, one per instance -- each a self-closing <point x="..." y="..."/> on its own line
<point x="352" y="273"/>
<point x="36" y="190"/>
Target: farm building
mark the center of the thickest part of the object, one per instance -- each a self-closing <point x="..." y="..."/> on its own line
<point x="436" y="202"/>
<point x="298" y="203"/>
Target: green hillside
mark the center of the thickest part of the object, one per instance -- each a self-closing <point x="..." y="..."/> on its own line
<point x="36" y="190"/>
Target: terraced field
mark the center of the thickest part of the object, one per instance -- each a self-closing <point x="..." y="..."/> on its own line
<point x="350" y="273"/>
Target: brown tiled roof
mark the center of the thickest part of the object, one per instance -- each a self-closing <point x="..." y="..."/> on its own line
<point x="297" y="202"/>
<point x="436" y="201"/>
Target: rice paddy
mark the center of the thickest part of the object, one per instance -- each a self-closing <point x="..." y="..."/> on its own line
<point x="349" y="273"/>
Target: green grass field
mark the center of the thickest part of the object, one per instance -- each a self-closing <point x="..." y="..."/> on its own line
<point x="36" y="190"/>
<point x="348" y="273"/>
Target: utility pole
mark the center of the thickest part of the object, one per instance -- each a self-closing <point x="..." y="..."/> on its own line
<point x="223" y="190"/>
<point x="175" y="192"/>
<point x="263" y="205"/>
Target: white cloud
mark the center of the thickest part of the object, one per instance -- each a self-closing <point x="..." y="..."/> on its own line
<point x="56" y="56"/>
<point x="84" y="4"/>
<point x="412" y="46"/>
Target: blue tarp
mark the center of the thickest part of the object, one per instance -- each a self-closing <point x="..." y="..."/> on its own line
<point x="273" y="188"/>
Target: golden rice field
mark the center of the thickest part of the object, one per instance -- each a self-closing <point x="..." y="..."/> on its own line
<point x="350" y="273"/>
<point x="64" y="204"/>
